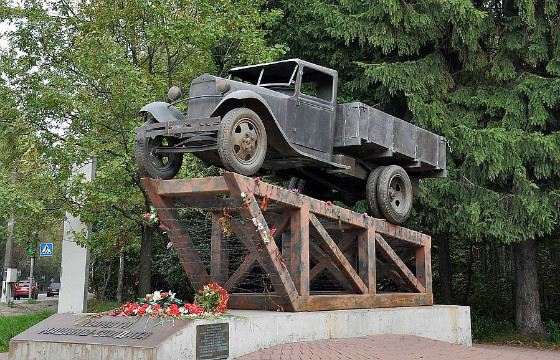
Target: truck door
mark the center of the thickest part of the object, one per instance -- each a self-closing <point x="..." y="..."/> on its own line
<point x="314" y="113"/>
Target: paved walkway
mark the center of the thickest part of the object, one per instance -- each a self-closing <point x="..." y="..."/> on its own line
<point x="395" y="347"/>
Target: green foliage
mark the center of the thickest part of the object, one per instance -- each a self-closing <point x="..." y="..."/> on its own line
<point x="487" y="329"/>
<point x="485" y="77"/>
<point x="13" y="325"/>
<point x="553" y="330"/>
<point x="98" y="306"/>
<point x="74" y="77"/>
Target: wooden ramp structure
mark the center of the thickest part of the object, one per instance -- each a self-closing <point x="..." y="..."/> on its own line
<point x="295" y="240"/>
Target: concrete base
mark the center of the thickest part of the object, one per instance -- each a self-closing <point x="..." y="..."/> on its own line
<point x="251" y="331"/>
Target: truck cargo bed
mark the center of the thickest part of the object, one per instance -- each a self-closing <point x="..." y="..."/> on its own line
<point x="371" y="135"/>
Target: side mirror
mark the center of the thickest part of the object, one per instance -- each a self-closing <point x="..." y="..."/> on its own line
<point x="174" y="93"/>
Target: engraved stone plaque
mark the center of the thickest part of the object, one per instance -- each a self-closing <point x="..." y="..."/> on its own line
<point x="212" y="341"/>
<point x="105" y="330"/>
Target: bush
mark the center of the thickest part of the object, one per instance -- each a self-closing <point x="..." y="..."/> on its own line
<point x="484" y="328"/>
<point x="553" y="329"/>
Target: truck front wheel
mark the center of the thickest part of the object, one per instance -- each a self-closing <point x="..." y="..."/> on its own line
<point x="394" y="194"/>
<point x="242" y="141"/>
<point x="157" y="166"/>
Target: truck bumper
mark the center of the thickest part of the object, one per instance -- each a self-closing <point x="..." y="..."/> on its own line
<point x="189" y="135"/>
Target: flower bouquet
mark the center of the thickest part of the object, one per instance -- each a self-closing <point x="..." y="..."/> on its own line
<point x="211" y="300"/>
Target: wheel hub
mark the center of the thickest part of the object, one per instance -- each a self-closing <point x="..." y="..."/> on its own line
<point x="244" y="140"/>
<point x="397" y="193"/>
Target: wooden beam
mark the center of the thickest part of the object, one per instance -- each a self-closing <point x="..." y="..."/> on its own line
<point x="180" y="187"/>
<point x="366" y="257"/>
<point x="181" y="240"/>
<point x="250" y="301"/>
<point x="290" y="198"/>
<point x="206" y="202"/>
<point x="355" y="301"/>
<point x="424" y="264"/>
<point x="299" y="249"/>
<point x="399" y="233"/>
<point x="338" y="258"/>
<point x="242" y="271"/>
<point x="325" y="263"/>
<point x="219" y="259"/>
<point x="388" y="253"/>
<point x="270" y="256"/>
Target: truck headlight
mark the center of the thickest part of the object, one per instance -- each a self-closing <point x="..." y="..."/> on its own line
<point x="222" y="85"/>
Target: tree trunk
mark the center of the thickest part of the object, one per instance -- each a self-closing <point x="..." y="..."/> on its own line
<point x="527" y="302"/>
<point x="106" y="280"/>
<point x="444" y="259"/>
<point x="120" y="278"/>
<point x="469" y="275"/>
<point x="145" y="275"/>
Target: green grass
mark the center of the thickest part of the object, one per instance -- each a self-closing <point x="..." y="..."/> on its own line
<point x="10" y="326"/>
<point x="97" y="306"/>
<point x="486" y="330"/>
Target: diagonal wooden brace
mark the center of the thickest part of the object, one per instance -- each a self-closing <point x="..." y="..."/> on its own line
<point x="407" y="275"/>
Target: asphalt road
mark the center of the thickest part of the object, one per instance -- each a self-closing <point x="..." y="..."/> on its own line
<point x="42" y="297"/>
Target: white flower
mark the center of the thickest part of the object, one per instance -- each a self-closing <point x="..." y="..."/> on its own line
<point x="243" y="194"/>
<point x="169" y="245"/>
<point x="255" y="221"/>
<point x="171" y="296"/>
<point x="149" y="309"/>
<point x="157" y="296"/>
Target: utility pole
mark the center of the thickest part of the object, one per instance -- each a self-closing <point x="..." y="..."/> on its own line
<point x="10" y="272"/>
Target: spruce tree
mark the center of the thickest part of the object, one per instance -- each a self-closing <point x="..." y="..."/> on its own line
<point x="486" y="76"/>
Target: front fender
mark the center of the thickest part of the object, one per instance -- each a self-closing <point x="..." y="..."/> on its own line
<point x="162" y="111"/>
<point x="276" y="136"/>
<point x="243" y="95"/>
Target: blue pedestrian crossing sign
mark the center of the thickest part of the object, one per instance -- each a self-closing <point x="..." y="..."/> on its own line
<point x="46" y="249"/>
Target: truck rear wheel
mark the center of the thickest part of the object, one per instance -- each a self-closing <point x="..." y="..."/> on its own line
<point x="394" y="194"/>
<point x="371" y="192"/>
<point x="242" y="141"/>
<point x="157" y="166"/>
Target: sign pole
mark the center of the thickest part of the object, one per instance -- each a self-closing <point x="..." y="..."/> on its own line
<point x="31" y="276"/>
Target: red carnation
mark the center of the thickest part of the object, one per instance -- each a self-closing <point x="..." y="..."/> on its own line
<point x="142" y="310"/>
<point x="173" y="310"/>
<point x="194" y="309"/>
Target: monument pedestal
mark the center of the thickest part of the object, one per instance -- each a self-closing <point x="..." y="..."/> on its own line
<point x="65" y="336"/>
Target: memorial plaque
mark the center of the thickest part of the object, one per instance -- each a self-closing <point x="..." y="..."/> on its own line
<point x="212" y="341"/>
<point x="104" y="330"/>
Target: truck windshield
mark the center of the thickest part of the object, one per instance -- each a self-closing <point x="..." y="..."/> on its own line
<point x="279" y="75"/>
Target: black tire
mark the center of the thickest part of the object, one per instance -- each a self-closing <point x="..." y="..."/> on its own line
<point x="243" y="153"/>
<point x="157" y="166"/>
<point x="49" y="295"/>
<point x="394" y="194"/>
<point x="371" y="192"/>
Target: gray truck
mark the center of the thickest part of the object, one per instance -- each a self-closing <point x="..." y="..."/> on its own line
<point x="282" y="118"/>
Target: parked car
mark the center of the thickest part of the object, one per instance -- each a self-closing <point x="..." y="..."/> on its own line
<point x="282" y="118"/>
<point x="53" y="289"/>
<point x="22" y="290"/>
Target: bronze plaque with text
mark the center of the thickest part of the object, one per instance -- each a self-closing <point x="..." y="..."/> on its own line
<point x="212" y="341"/>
